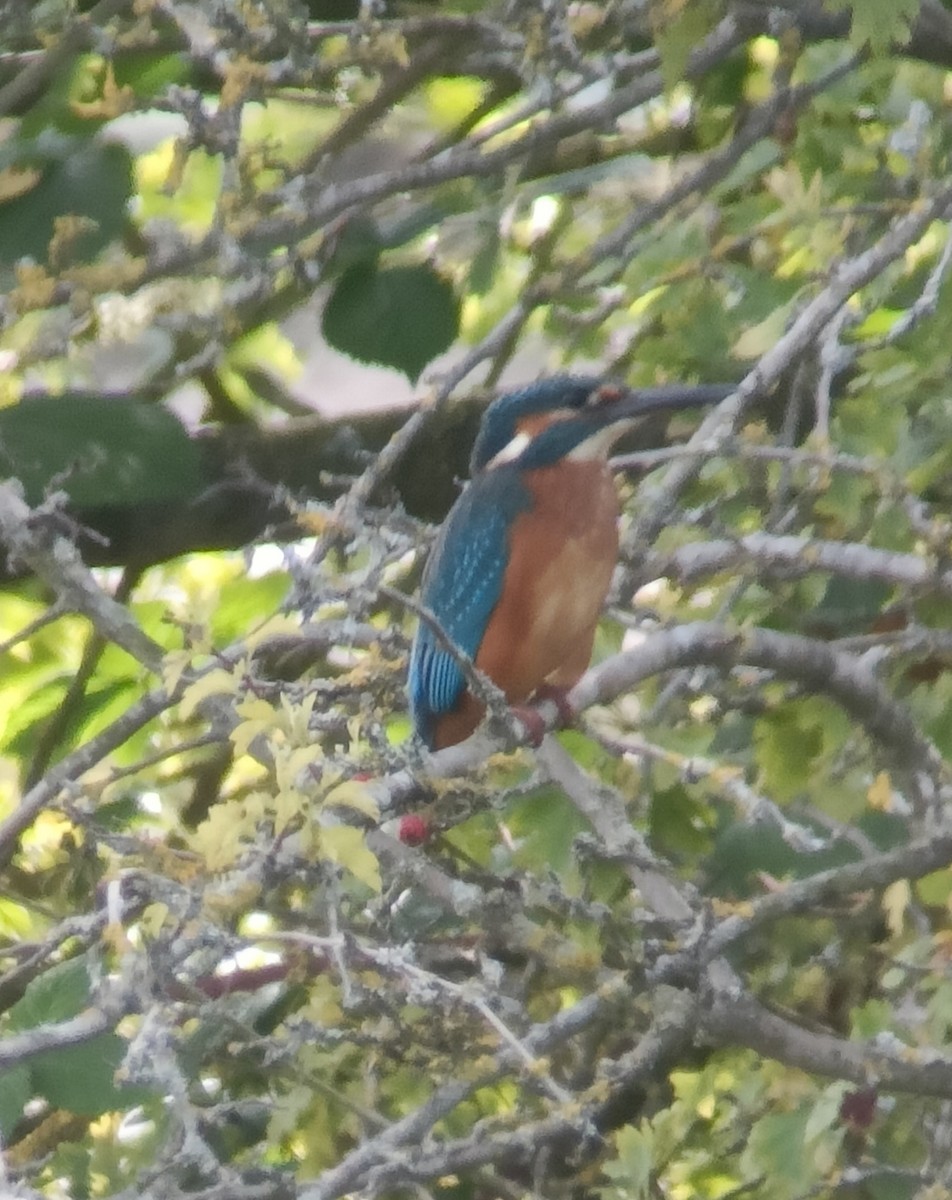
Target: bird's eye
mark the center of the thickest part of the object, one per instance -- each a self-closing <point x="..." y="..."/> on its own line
<point x="604" y="396"/>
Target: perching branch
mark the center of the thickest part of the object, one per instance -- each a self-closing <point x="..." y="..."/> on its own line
<point x="811" y="663"/>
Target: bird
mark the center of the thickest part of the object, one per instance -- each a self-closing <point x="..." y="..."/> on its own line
<point x="520" y="569"/>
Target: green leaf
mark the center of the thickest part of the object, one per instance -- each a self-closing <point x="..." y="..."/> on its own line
<point x="878" y="23"/>
<point x="100" y="450"/>
<point x="242" y="602"/>
<point x="78" y="82"/>
<point x="148" y="72"/>
<point x="544" y="826"/>
<point x="95" y="711"/>
<point x="872" y="1018"/>
<point x="81" y="1078"/>
<point x="78" y="1078"/>
<point x="776" y="1150"/>
<point x="842" y="504"/>
<point x="756" y="339"/>
<point x="56" y="995"/>
<point x="100" y="707"/>
<point x="850" y="603"/>
<point x="347" y="846"/>
<point x="893" y="1187"/>
<point x="45" y="695"/>
<point x="679" y="32"/>
<point x="83" y="179"/>
<point x="400" y="317"/>
<point x="786" y="744"/>
<point x="358" y="244"/>
<point x="15" y="1091"/>
<point x="72" y="1161"/>
<point x="724" y="85"/>
<point x="678" y="821"/>
<point x="485" y="263"/>
<point x="118" y="815"/>
<point x="631" y="1171"/>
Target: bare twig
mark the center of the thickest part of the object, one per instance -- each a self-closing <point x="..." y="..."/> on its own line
<point x="848" y="277"/>
<point x="74" y="765"/>
<point x="793" y="557"/>
<point x="25" y="533"/>
<point x="38" y="70"/>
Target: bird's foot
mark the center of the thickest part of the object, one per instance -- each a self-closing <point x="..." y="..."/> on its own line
<point x="533" y="720"/>
<point x="560" y="698"/>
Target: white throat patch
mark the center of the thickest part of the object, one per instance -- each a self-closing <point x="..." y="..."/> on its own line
<point x="511" y="451"/>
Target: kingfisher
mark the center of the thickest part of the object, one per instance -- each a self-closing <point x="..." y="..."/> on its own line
<point x="522" y="564"/>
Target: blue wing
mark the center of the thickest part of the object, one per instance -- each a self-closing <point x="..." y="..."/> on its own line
<point x="461" y="587"/>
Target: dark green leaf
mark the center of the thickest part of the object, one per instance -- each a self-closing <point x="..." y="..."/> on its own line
<point x="118" y="814"/>
<point x="889" y="1186"/>
<point x="676" y="822"/>
<point x="745" y="852"/>
<point x="88" y="180"/>
<point x="81" y="1078"/>
<point x="56" y="995"/>
<point x="850" y="603"/>
<point x="400" y="317"/>
<point x="485" y="263"/>
<point x="100" y="450"/>
<point x="78" y="1078"/>
<point x="15" y="1091"/>
<point x="357" y="245"/>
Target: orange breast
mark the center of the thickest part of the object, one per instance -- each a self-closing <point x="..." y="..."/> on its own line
<point x="562" y="554"/>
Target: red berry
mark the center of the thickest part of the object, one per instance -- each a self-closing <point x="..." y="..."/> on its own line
<point x="413" y="830"/>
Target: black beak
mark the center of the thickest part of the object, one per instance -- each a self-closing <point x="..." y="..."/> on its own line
<point x="619" y="403"/>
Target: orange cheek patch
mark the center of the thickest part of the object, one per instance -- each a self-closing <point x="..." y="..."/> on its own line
<point x="537" y="422"/>
<point x="530" y="426"/>
<point x="607" y="395"/>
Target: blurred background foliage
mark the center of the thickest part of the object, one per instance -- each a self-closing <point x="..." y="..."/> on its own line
<point x="241" y="246"/>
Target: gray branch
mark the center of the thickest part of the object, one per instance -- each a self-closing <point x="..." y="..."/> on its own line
<point x="29" y="537"/>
